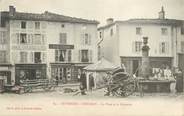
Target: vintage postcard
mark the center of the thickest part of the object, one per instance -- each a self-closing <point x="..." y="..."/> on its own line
<point x="91" y="57"/>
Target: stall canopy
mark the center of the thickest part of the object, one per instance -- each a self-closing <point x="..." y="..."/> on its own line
<point x="101" y="66"/>
<point x="98" y="71"/>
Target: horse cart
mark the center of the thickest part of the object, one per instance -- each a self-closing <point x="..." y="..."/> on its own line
<point x="120" y="84"/>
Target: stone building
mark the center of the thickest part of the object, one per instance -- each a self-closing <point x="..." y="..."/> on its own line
<point x="35" y="46"/>
<point x="121" y="41"/>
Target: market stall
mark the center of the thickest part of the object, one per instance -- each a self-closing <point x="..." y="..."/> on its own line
<point x="97" y="73"/>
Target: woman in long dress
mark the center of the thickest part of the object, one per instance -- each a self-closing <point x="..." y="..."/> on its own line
<point x="179" y="80"/>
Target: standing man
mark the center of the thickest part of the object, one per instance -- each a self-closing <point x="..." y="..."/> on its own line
<point x="179" y="80"/>
<point x="57" y="80"/>
<point x="83" y="85"/>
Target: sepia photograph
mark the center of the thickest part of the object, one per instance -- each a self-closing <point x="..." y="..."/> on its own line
<point x="91" y="57"/>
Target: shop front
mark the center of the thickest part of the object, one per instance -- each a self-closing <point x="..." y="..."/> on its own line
<point x="5" y="73"/>
<point x="29" y="72"/>
<point x="62" y="71"/>
<point x="66" y="72"/>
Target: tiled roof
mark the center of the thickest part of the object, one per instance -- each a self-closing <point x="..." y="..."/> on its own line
<point x="153" y="21"/>
<point x="147" y="21"/>
<point x="101" y="65"/>
<point x="47" y="16"/>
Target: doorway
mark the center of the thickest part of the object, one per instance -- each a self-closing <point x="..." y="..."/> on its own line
<point x="181" y="61"/>
<point x="135" y="67"/>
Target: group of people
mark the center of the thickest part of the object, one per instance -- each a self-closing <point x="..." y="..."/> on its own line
<point x="168" y="74"/>
<point x="162" y="73"/>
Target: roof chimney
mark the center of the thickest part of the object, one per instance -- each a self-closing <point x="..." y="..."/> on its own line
<point x="12" y="10"/>
<point x="109" y="21"/>
<point x="162" y="13"/>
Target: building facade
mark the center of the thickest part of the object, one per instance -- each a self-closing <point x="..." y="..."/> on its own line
<point x="124" y="39"/>
<point x="36" y="46"/>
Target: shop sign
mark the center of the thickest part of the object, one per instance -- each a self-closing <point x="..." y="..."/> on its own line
<point x="29" y="47"/>
<point x="59" y="46"/>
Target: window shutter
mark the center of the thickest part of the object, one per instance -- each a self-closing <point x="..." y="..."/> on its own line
<point x="32" y="57"/>
<point x="69" y="55"/>
<point x="89" y="39"/>
<point x="14" y="38"/>
<point x="15" y="56"/>
<point x="18" y="38"/>
<point x="160" y="47"/>
<point x="82" y="39"/>
<point x="3" y="38"/>
<point x="65" y="38"/>
<point x="79" y="55"/>
<point x="56" y="55"/>
<point x="29" y="38"/>
<point x="43" y="55"/>
<point x="43" y="39"/>
<point x="167" y="47"/>
<point x="90" y="55"/>
<point x="60" y="38"/>
<point x="133" y="46"/>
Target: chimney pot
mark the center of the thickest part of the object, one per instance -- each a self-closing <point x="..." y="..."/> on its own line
<point x="12" y="10"/>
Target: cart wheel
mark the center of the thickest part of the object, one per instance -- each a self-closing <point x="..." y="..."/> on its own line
<point x="128" y="89"/>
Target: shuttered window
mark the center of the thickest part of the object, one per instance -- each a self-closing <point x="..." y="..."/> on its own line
<point x="85" y="56"/>
<point x="37" y="40"/>
<point x="23" y="57"/>
<point x="63" y="38"/>
<point x="136" y="46"/>
<point x="60" y="55"/>
<point x="23" y="38"/>
<point x="164" y="48"/>
<point x="86" y="39"/>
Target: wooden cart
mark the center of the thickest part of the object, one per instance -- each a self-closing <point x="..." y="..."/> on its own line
<point x="30" y="85"/>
